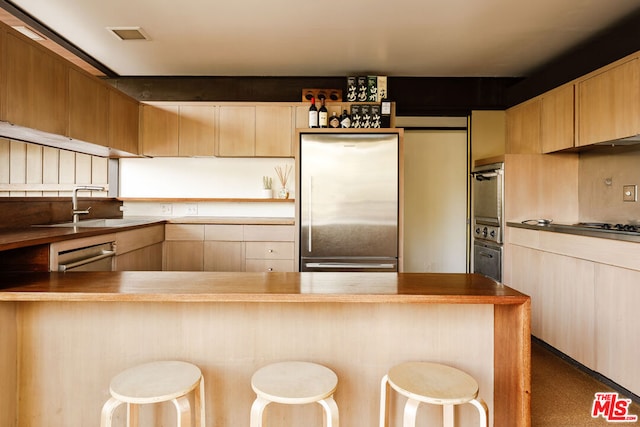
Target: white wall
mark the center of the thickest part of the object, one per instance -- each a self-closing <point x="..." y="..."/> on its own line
<point x="202" y="178"/>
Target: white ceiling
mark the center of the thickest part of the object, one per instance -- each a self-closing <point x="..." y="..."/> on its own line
<point x="472" y="38"/>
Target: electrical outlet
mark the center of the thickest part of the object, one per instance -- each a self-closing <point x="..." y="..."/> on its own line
<point x="192" y="209"/>
<point x="166" y="209"/>
<point x="629" y="193"/>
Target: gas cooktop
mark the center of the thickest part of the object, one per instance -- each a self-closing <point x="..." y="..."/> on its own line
<point x="631" y="228"/>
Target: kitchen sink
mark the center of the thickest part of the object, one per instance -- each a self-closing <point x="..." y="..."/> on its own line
<point x="99" y="223"/>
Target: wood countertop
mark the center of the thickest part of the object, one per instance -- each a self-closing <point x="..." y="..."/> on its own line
<point x="196" y="287"/>
<point x="35" y="235"/>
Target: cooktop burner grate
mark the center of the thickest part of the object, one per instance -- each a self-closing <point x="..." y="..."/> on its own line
<point x="613" y="227"/>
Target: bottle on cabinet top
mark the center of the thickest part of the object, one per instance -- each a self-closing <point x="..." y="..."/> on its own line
<point x="345" y="120"/>
<point x="313" y="114"/>
<point x="334" y="121"/>
<point x="323" y="115"/>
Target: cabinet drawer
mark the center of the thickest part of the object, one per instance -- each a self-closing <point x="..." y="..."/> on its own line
<point x="269" y="233"/>
<point x="184" y="232"/>
<point x="259" y="265"/>
<point x="223" y="232"/>
<point x="269" y="250"/>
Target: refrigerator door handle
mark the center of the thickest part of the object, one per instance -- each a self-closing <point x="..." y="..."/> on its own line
<point x="310" y="214"/>
<point x="349" y="265"/>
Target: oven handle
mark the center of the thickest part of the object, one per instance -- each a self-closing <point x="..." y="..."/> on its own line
<point x="103" y="255"/>
<point x="484" y="176"/>
<point x="485" y="254"/>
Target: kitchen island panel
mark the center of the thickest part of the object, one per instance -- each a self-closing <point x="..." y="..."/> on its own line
<point x="8" y="365"/>
<point x="87" y="343"/>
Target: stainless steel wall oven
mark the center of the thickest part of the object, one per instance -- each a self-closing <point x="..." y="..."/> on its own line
<point x="488" y="219"/>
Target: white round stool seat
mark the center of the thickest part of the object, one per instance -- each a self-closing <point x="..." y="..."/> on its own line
<point x="433" y="383"/>
<point x="156" y="382"/>
<point x="294" y="383"/>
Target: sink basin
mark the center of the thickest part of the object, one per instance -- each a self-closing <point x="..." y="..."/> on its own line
<point x="99" y="223"/>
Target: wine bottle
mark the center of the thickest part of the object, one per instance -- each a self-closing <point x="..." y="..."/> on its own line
<point x="345" y="120"/>
<point x="313" y="114"/>
<point x="323" y="115"/>
<point x="334" y="121"/>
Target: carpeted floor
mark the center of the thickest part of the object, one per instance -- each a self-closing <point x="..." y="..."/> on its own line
<point x="562" y="395"/>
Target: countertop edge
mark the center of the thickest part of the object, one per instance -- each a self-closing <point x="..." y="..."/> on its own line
<point x="579" y="231"/>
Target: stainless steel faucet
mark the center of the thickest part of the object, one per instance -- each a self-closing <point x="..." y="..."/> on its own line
<point x="74" y="200"/>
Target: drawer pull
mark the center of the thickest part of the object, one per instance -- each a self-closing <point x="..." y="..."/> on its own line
<point x="270" y="250"/>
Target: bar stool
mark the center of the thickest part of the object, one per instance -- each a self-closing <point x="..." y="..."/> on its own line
<point x="294" y="383"/>
<point x="156" y="382"/>
<point x="423" y="382"/>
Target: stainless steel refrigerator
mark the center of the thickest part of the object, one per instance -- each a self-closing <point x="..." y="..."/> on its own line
<point x="348" y="201"/>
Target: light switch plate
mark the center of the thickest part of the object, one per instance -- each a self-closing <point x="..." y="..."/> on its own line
<point x="166" y="209"/>
<point x="629" y="193"/>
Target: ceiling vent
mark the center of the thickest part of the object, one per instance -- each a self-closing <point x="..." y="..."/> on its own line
<point x="128" y="33"/>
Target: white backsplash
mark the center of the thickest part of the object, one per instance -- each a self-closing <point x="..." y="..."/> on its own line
<point x="202" y="178"/>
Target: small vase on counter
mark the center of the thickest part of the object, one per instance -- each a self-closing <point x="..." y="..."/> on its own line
<point x="283" y="193"/>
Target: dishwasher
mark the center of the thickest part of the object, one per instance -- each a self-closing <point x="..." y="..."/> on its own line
<point x="86" y="254"/>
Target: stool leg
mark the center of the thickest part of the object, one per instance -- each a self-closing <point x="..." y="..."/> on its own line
<point x="410" y="413"/>
<point x="331" y="411"/>
<point x="200" y="403"/>
<point x="183" y="409"/>
<point x="108" y="409"/>
<point x="447" y="415"/>
<point x="132" y="415"/>
<point x="384" y="404"/>
<point x="483" y="410"/>
<point x="257" y="409"/>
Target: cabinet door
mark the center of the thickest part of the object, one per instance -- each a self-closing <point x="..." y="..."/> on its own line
<point x="557" y="119"/>
<point x="196" y="130"/>
<point x="617" y="317"/>
<point x="159" y="130"/>
<point x="269" y="265"/>
<point x="237" y="136"/>
<point x="124" y="120"/>
<point x="37" y="88"/>
<point x="223" y="256"/>
<point x="269" y="250"/>
<point x="609" y="104"/>
<point x="274" y="131"/>
<point x="523" y="128"/>
<point x="88" y="108"/>
<point x="183" y="255"/>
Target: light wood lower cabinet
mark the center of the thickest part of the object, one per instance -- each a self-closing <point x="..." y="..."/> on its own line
<point x="229" y="247"/>
<point x="580" y="303"/>
<point x="223" y="247"/>
<point x="617" y="292"/>
<point x="140" y="249"/>
<point x="184" y="247"/>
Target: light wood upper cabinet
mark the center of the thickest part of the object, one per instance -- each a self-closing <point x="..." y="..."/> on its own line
<point x="177" y="130"/>
<point x="124" y="120"/>
<point x="557" y="119"/>
<point x="196" y="131"/>
<point x="523" y="128"/>
<point x="159" y="130"/>
<point x="256" y="131"/>
<point x="88" y="108"/>
<point x="36" y="93"/>
<point x="237" y="136"/>
<point x="608" y="104"/>
<point x="274" y="131"/>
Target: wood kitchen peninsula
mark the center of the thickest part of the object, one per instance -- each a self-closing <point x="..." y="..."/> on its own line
<point x="65" y="335"/>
